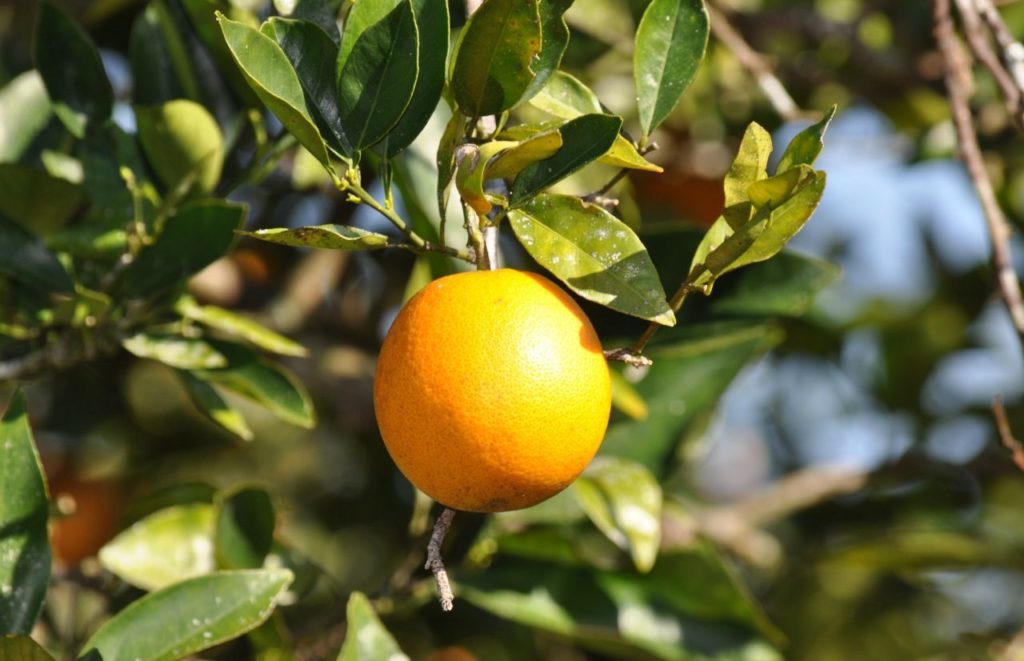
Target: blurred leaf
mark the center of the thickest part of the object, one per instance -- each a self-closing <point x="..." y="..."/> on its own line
<point x="40" y="202"/>
<point x="322" y="12"/>
<point x="366" y="638"/>
<point x="432" y="21"/>
<point x="670" y="43"/>
<point x="625" y="397"/>
<point x="181" y="352"/>
<point x="782" y="286"/>
<point x="243" y="327"/>
<point x="209" y="401"/>
<point x="584" y="140"/>
<point x="24" y="540"/>
<point x="192" y="239"/>
<point x="72" y="70"/>
<point x="377" y="77"/>
<point x="166" y="547"/>
<point x="804" y="148"/>
<point x="24" y="112"/>
<point x="88" y="241"/>
<point x="270" y="74"/>
<point x="593" y="253"/>
<point x="152" y="65"/>
<point x="62" y="166"/>
<point x="314" y="55"/>
<point x="554" y="40"/>
<point x="623" y="500"/>
<point x="749" y="166"/>
<point x="537" y="147"/>
<point x="689" y="374"/>
<point x="244" y="530"/>
<point x="265" y="382"/>
<point x="25" y="258"/>
<point x="190" y="616"/>
<point x="22" y="648"/>
<point x="181" y="139"/>
<point x="324" y="237"/>
<point x="495" y="56"/>
<point x="103" y="155"/>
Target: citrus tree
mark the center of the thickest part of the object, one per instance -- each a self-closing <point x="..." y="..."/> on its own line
<point x="471" y="148"/>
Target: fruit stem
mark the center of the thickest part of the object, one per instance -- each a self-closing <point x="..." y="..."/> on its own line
<point x="436" y="564"/>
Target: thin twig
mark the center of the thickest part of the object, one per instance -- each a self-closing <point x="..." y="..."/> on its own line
<point x="998" y="228"/>
<point x="436" y="564"/>
<point x="756" y="64"/>
<point x="974" y="30"/>
<point x="1013" y="50"/>
<point x="1006" y="436"/>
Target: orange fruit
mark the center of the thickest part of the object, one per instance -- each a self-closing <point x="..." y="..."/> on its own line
<point x="95" y="510"/>
<point x="492" y="392"/>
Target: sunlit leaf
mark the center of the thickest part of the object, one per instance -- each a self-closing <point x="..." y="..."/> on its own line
<point x="366" y="637"/>
<point x="214" y="406"/>
<point x="804" y="148"/>
<point x="593" y="253"/>
<point x="326" y="237"/>
<point x="181" y="139"/>
<point x="22" y="648"/>
<point x="626" y="399"/>
<point x="235" y="324"/>
<point x="24" y="541"/>
<point x="750" y="165"/>
<point x="190" y="616"/>
<point x="174" y="350"/>
<point x="471" y="174"/>
<point x="40" y="202"/>
<point x="24" y="112"/>
<point x="554" y="40"/>
<point x="536" y="148"/>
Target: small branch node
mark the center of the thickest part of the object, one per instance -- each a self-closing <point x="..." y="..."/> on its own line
<point x="436" y="564"/>
<point x="626" y="355"/>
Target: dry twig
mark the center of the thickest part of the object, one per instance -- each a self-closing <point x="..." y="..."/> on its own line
<point x="1006" y="436"/>
<point x="434" y="561"/>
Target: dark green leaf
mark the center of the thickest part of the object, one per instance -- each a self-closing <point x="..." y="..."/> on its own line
<point x="688" y="377"/>
<point x="804" y="148"/>
<point x="191" y="240"/>
<point x="209" y="401"/>
<point x="584" y="140"/>
<point x="432" y="21"/>
<point x="181" y="139"/>
<point x="367" y="638"/>
<point x="38" y="201"/>
<point x="24" y="112"/>
<point x="595" y="254"/>
<point x="245" y="528"/>
<point x="623" y="499"/>
<point x="190" y="616"/>
<point x="166" y="547"/>
<point x="24" y="540"/>
<point x="72" y="70"/>
<point x="670" y="43"/>
<point x="314" y="55"/>
<point x="89" y="241"/>
<point x="243" y="327"/>
<point x="784" y="285"/>
<point x="327" y="237"/>
<point x="554" y="40"/>
<point x="495" y="55"/>
<point x="377" y="76"/>
<point x="270" y="74"/>
<point x="24" y="257"/>
<point x="265" y="382"/>
<point x="153" y="75"/>
<point x="322" y="12"/>
<point x="181" y="352"/>
<point x="22" y="648"/>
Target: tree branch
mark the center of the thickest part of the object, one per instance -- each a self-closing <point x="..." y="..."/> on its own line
<point x="1007" y="283"/>
<point x="979" y="44"/>
<point x="1006" y="436"/>
<point x="436" y="564"/>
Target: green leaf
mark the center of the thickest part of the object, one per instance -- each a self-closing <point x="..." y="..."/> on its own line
<point x="265" y="382"/>
<point x="537" y="147"/>
<point x="314" y="55"/>
<point x="154" y="78"/>
<point x="593" y="253"/>
<point x="166" y="547"/>
<point x="432" y="21"/>
<point x="182" y="352"/>
<point x="89" y="241"/>
<point x="181" y="139"/>
<point x="40" y="202"/>
<point x="212" y="405"/>
<point x="22" y="648"/>
<point x="24" y="112"/>
<point x="689" y="375"/>
<point x="367" y="639"/>
<point x="495" y="55"/>
<point x="324" y="237"/>
<point x="670" y="43"/>
<point x="192" y="239"/>
<point x="782" y="286"/>
<point x="376" y="78"/>
<point x="584" y="140"/>
<point x="244" y="531"/>
<point x="750" y="165"/>
<point x="626" y="399"/>
<point x="469" y="177"/>
<point x="25" y="258"/>
<point x="24" y="540"/>
<point x="623" y="500"/>
<point x="454" y="132"/>
<point x="190" y="616"/>
<point x="270" y="74"/>
<point x="554" y="40"/>
<point x="773" y="191"/>
<point x="804" y="148"/>
<point x="72" y="70"/>
<point x="243" y="327"/>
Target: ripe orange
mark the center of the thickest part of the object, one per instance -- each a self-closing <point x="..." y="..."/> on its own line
<point x="492" y="392"/>
<point x="92" y="521"/>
